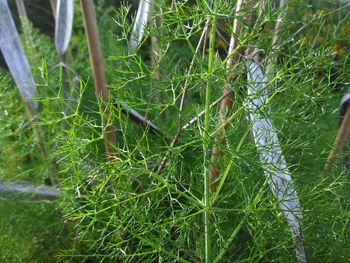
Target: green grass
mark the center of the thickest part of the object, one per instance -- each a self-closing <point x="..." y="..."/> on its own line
<point x="31" y="232"/>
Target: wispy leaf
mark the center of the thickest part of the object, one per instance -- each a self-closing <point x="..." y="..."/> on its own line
<point x="15" y="58"/>
<point x="63" y="25"/>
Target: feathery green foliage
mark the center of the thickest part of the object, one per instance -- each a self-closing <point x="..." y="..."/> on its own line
<point x="123" y="211"/>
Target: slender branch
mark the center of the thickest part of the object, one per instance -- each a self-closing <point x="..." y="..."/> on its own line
<point x="194" y="119"/>
<point x="98" y="70"/>
<point x="206" y="172"/>
<point x="139" y="119"/>
<point x="182" y="100"/>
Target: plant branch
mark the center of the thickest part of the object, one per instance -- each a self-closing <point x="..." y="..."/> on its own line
<point x="182" y="100"/>
<point x="194" y="119"/>
<point x="206" y="172"/>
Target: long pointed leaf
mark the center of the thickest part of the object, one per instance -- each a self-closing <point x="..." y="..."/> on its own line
<point x="142" y="17"/>
<point x="27" y="190"/>
<point x="270" y="153"/>
<point x="15" y="58"/>
<point x="63" y="25"/>
<point x="138" y="118"/>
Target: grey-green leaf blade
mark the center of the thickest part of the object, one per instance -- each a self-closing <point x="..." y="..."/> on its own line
<point x="63" y="25"/>
<point x="270" y="153"/>
<point x="142" y="17"/>
<point x="28" y="190"/>
<point x="12" y="50"/>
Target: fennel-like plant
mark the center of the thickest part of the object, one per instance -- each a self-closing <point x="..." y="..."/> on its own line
<point x="154" y="203"/>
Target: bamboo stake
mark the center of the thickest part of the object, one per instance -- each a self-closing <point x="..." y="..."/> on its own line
<point x="276" y="39"/>
<point x="23" y="17"/>
<point x="53" y="7"/>
<point x="63" y="11"/>
<point x="98" y="70"/>
<point x="226" y="103"/>
<point x="155" y="49"/>
<point x="21" y="9"/>
<point x="339" y="142"/>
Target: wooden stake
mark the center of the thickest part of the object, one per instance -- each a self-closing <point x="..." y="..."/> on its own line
<point x="53" y="7"/>
<point x="226" y="105"/>
<point x="155" y="49"/>
<point x="342" y="135"/>
<point x="21" y="9"/>
<point x="98" y="70"/>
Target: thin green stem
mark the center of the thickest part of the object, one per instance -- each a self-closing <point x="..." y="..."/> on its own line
<point x="207" y="203"/>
